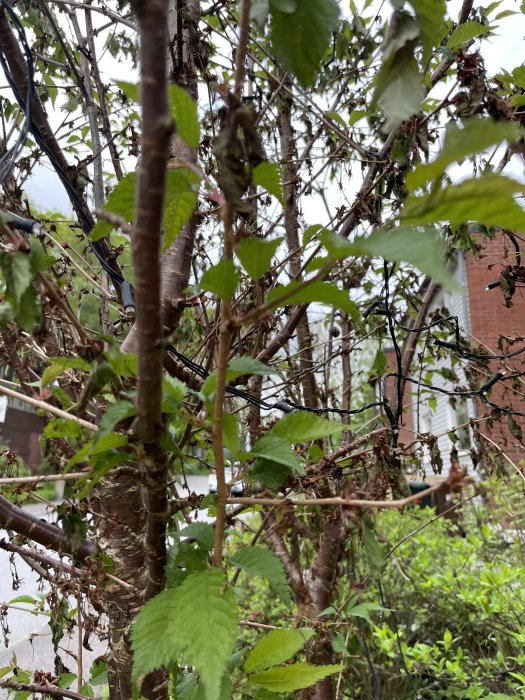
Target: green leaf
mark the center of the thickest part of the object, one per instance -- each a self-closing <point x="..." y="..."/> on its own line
<point x="356" y="115"/>
<point x="399" y="87"/>
<point x="114" y="414"/>
<point x="422" y="248"/>
<point x="268" y="176"/>
<point x="324" y="292"/>
<point x="374" y="551"/>
<point x="39" y="259"/>
<point x="230" y="434"/>
<point x="276" y="647"/>
<point x="121" y="201"/>
<point x="182" y="191"/>
<point x="60" y="364"/>
<point x="107" y="442"/>
<point x="488" y="200"/>
<point x="184" y="113"/>
<point x="276" y="449"/>
<point x="238" y="367"/>
<point x="466" y="31"/>
<point x="259" y="561"/>
<point x="271" y="474"/>
<point x="221" y="279"/>
<point x="65" y="680"/>
<point x="203" y="533"/>
<point x="302" y="426"/>
<point x="256" y="255"/>
<point x="431" y="15"/>
<point x="300" y="40"/>
<point x="474" y="136"/>
<point x="131" y="90"/>
<point x="363" y="611"/>
<point x="16" y="267"/>
<point x="197" y="619"/>
<point x="285" y="679"/>
<point x="336" y="117"/>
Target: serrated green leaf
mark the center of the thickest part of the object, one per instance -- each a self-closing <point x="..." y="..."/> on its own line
<point x="259" y="561"/>
<point x="256" y="255"/>
<point x="276" y="449"/>
<point x="474" y="136"/>
<point x="286" y="679"/>
<point x="488" y="200"/>
<point x="197" y="619"/>
<point x="221" y="279"/>
<point x="324" y="292"/>
<point x="268" y="176"/>
<point x="302" y="426"/>
<point x="121" y="201"/>
<point x="466" y="31"/>
<point x="184" y="112"/>
<point x="431" y="15"/>
<point x="518" y="76"/>
<point x="299" y="40"/>
<point x="203" y="533"/>
<point x="276" y="647"/>
<point x="182" y="191"/>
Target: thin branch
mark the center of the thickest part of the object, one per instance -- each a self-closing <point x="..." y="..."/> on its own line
<point x="220" y="392"/>
<point x="349" y="502"/>
<point x="16" y="480"/>
<point x="43" y="406"/>
<point x="43" y="690"/>
<point x="103" y="11"/>
<point x="504" y="454"/>
<point x="240" y="56"/>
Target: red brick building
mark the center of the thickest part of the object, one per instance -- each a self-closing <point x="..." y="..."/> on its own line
<point x="492" y="325"/>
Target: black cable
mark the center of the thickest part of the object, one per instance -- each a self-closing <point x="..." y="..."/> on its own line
<point x="117" y="279"/>
<point x="8" y="158"/>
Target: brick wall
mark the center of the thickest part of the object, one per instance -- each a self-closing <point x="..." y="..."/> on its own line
<point x="490" y="320"/>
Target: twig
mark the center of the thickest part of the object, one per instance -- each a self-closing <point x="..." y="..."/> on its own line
<point x="347" y="502"/>
<point x="220" y="392"/>
<point x="43" y="690"/>
<point x="259" y="625"/>
<point x="428" y="522"/>
<point x="43" y="406"/>
<point x="14" y="480"/>
<point x="509" y="460"/>
<point x="103" y="11"/>
<point x="240" y="56"/>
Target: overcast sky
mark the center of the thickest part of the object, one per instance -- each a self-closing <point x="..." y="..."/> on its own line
<point x="503" y="50"/>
